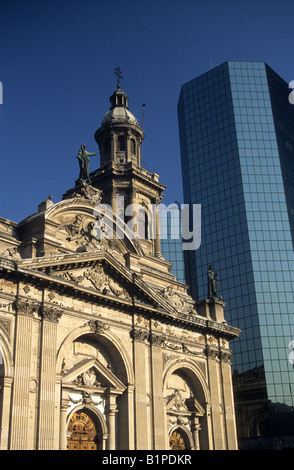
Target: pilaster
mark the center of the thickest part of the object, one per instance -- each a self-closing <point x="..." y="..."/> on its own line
<point x="50" y="317"/>
<point x="159" y="430"/>
<point x="6" y="403"/>
<point x="217" y="421"/>
<point x="22" y="361"/>
<point x="229" y="411"/>
<point x="139" y="351"/>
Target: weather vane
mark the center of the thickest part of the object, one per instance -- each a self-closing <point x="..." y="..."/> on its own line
<point x="118" y="72"/>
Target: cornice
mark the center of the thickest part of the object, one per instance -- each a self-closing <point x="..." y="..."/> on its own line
<point x="156" y="307"/>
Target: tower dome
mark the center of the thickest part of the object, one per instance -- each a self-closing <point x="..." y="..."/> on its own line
<point x="120" y="136"/>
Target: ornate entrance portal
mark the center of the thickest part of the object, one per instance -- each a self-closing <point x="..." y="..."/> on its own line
<point x="81" y="432"/>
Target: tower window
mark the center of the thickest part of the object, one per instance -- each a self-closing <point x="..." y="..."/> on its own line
<point x="121" y="144"/>
<point x="133" y="147"/>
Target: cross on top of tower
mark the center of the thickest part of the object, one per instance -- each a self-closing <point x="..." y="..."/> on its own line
<point x="118" y="72"/>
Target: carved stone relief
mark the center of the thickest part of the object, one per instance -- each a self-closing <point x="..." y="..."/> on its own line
<point x="95" y="278"/>
<point x="88" y="378"/>
<point x="82" y="233"/>
<point x="169" y="294"/>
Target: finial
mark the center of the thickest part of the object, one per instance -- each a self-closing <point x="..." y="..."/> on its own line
<point x="118" y="72"/>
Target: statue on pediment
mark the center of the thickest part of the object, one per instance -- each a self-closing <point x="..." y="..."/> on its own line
<point x="84" y="163"/>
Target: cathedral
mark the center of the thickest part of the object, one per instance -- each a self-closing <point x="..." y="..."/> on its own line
<point x="101" y="348"/>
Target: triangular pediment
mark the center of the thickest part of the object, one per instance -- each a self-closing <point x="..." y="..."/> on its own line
<point x="90" y="373"/>
<point x="101" y="274"/>
<point x="177" y="404"/>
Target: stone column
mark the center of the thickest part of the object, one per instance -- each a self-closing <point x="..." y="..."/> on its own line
<point x="128" y="147"/>
<point x="111" y="410"/>
<point x="157" y="247"/>
<point x="6" y="403"/>
<point x="22" y="367"/>
<point x="63" y="424"/>
<point x="159" y="431"/>
<point x="195" y="431"/>
<point x="113" y="195"/>
<point x="113" y="146"/>
<point x="139" y="352"/>
<point x="47" y="390"/>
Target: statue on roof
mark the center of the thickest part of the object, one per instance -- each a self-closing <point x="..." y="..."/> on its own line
<point x="84" y="162"/>
<point x="212" y="279"/>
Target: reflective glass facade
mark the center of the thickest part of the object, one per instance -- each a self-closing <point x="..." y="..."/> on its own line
<point x="236" y="130"/>
<point x="171" y="242"/>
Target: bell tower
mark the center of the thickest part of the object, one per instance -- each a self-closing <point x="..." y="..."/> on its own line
<point x="131" y="191"/>
<point x="120" y="137"/>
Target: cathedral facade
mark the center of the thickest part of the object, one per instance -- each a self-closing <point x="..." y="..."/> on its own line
<point x="101" y="348"/>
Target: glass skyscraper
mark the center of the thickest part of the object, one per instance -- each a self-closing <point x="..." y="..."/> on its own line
<point x="171" y="240"/>
<point x="236" y="127"/>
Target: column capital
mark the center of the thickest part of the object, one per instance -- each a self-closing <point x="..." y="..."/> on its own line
<point x="50" y="313"/>
<point x="139" y="335"/>
<point x="25" y="307"/>
<point x="156" y="339"/>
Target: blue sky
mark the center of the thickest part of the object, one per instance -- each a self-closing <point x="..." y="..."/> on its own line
<point x="57" y="61"/>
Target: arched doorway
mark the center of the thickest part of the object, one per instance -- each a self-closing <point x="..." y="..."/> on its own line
<point x="178" y="440"/>
<point x="82" y="432"/>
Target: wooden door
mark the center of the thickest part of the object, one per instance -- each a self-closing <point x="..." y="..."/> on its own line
<point x="81" y="432"/>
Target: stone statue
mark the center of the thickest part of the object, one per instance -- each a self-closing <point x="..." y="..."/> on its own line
<point x="212" y="279"/>
<point x="84" y="162"/>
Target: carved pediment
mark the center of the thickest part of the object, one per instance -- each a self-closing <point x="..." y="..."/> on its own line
<point x="91" y="374"/>
<point x="177" y="404"/>
<point x="95" y="277"/>
<point x="102" y="273"/>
